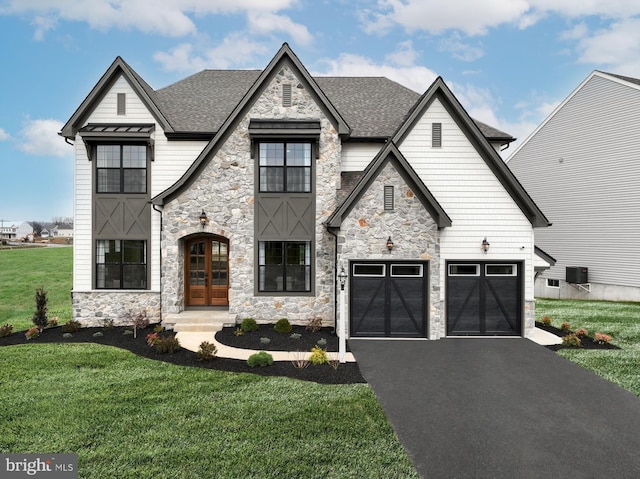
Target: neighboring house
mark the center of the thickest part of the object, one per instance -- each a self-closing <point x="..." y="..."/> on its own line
<point x="62" y="231"/>
<point x="249" y="191"/>
<point x="582" y="166"/>
<point x="8" y="230"/>
<point x="24" y="230"/>
<point x="45" y="233"/>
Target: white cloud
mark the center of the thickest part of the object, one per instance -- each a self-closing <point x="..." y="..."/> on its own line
<point x="416" y="77"/>
<point x="235" y="50"/>
<point x="459" y="49"/>
<point x="268" y="22"/>
<point x="165" y="17"/>
<point x="4" y="136"/>
<point x="405" y="55"/>
<point x="40" y="137"/>
<point x="617" y="46"/>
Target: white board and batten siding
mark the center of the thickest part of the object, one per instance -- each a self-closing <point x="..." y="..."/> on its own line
<point x="472" y="196"/>
<point x="171" y="160"/>
<point x="582" y="167"/>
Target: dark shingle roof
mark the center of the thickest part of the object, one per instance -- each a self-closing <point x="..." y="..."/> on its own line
<point x="374" y="107"/>
<point x="628" y="79"/>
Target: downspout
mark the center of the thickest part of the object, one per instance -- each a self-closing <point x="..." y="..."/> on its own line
<point x="335" y="278"/>
<point x="160" y="244"/>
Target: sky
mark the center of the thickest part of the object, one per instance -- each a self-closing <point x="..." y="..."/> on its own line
<point x="509" y="62"/>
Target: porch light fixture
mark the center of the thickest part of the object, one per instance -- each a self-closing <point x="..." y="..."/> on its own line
<point x="342" y="277"/>
<point x="485" y="245"/>
<point x="389" y="244"/>
<point x="203" y="219"/>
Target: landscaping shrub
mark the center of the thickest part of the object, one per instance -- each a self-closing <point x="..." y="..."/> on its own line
<point x="318" y="356"/>
<point x="39" y="318"/>
<point x="571" y="340"/>
<point x="53" y="322"/>
<point x="5" y="330"/>
<point x="248" y="325"/>
<point x="581" y="333"/>
<point x="546" y="320"/>
<point x="238" y="332"/>
<point x="565" y="326"/>
<point x="71" y="326"/>
<point x="602" y="338"/>
<point x="314" y="325"/>
<point x="283" y="326"/>
<point x="97" y="334"/>
<point x="33" y="332"/>
<point x="260" y="359"/>
<point x="207" y="351"/>
<point x="322" y="342"/>
<point x="168" y="344"/>
<point x="265" y="341"/>
<point x="152" y="339"/>
<point x="295" y="336"/>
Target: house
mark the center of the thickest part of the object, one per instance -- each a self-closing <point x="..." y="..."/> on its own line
<point x="582" y="166"/>
<point x="8" y="230"/>
<point x="250" y="191"/>
<point x="62" y="231"/>
<point x="24" y="229"/>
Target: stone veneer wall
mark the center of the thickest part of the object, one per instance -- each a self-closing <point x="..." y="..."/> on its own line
<point x="94" y="308"/>
<point x="225" y="190"/>
<point x="363" y="236"/>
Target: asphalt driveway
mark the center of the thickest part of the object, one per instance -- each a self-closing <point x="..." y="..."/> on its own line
<point x="501" y="408"/>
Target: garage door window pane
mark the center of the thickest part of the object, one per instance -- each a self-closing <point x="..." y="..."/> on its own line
<point x="500" y="270"/>
<point x="368" y="270"/>
<point x="464" y="270"/>
<point x="406" y="270"/>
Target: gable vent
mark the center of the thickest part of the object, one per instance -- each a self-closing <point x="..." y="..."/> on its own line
<point x="286" y="94"/>
<point x="122" y="103"/>
<point x="436" y="135"/>
<point x="388" y="197"/>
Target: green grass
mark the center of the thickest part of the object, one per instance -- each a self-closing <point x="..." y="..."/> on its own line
<point x="24" y="270"/>
<point x="620" y="320"/>
<point x="131" y="417"/>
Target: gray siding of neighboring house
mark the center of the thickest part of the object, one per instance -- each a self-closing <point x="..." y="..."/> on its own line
<point x="582" y="167"/>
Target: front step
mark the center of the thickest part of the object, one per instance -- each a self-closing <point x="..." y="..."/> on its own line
<point x="199" y="321"/>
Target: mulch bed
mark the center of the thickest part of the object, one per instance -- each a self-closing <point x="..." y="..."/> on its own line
<point x="587" y="343"/>
<point x="347" y="373"/>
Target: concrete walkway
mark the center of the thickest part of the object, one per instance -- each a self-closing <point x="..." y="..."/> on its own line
<point x="501" y="408"/>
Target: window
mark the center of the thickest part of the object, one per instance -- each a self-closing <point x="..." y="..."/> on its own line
<point x="500" y="270"/>
<point x="388" y="198"/>
<point x="284" y="266"/>
<point x="285" y="167"/>
<point x="368" y="270"/>
<point x="121" y="168"/>
<point x="121" y="264"/>
<point x="553" y="283"/>
<point x="464" y="270"/>
<point x="436" y="135"/>
<point x="400" y="270"/>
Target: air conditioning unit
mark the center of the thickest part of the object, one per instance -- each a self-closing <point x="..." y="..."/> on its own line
<point x="577" y="274"/>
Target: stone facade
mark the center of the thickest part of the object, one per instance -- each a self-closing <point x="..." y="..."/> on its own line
<point x="93" y="309"/>
<point x="225" y="189"/>
<point x="363" y="236"/>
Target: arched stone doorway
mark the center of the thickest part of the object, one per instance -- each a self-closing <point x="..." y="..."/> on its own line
<point x="206" y="277"/>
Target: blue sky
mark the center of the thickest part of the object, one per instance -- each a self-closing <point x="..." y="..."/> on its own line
<point x="510" y="62"/>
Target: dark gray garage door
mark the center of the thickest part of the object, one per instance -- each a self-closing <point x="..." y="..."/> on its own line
<point x="484" y="299"/>
<point x="388" y="299"/>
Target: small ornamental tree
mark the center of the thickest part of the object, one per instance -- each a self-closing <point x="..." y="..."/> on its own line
<point x="40" y="319"/>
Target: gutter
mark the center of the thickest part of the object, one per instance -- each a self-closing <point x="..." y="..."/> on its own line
<point x="160" y="245"/>
<point x="335" y="278"/>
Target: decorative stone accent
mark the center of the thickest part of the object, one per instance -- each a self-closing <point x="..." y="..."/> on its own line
<point x="92" y="309"/>
<point x="363" y="236"/>
<point x="225" y="190"/>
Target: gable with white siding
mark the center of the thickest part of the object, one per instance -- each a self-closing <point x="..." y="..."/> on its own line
<point x="582" y="166"/>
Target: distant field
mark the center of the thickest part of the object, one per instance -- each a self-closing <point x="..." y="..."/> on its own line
<point x="22" y="271"/>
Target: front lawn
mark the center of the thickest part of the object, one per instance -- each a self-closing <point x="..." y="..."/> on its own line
<point x="620" y="320"/>
<point x="132" y="417"/>
<point x="22" y="271"/>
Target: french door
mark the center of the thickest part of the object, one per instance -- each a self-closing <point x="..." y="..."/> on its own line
<point x="207" y="272"/>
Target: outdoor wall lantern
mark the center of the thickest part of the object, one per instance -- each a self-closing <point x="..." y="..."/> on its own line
<point x="389" y="244"/>
<point x="485" y="245"/>
<point x="203" y="218"/>
<point x="342" y="277"/>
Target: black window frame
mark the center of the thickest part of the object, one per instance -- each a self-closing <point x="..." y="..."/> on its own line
<point x="122" y="169"/>
<point x="283" y="270"/>
<point x="121" y="266"/>
<point x="287" y="167"/>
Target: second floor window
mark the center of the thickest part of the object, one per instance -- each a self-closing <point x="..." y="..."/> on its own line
<point x="121" y="168"/>
<point x="285" y="167"/>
